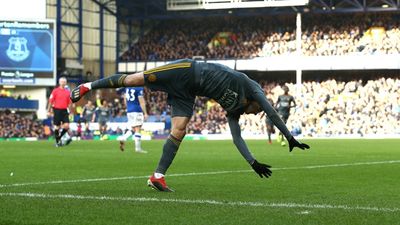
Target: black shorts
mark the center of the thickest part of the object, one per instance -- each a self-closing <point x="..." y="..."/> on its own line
<point x="60" y="115"/>
<point x="284" y="117"/>
<point x="176" y="79"/>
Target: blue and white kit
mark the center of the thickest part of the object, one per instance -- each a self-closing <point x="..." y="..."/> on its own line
<point x="134" y="111"/>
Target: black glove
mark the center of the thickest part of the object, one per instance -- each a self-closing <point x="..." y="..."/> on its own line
<point x="294" y="143"/>
<point x="261" y="169"/>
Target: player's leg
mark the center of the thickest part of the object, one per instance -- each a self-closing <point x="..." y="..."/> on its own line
<point x="171" y="146"/>
<point x="64" y="130"/>
<point x="280" y="136"/>
<point x="182" y="110"/>
<point x="137" y="123"/>
<point x="115" y="81"/>
<point x="65" y="134"/>
<point x="132" y="123"/>
<point x="87" y="129"/>
<point x="103" y="129"/>
<point x="57" y="123"/>
<point x="57" y="135"/>
<point x="138" y="139"/>
<point x="159" y="78"/>
<point x="170" y="149"/>
<point x="100" y="129"/>
<point x="269" y="125"/>
<point x="123" y="138"/>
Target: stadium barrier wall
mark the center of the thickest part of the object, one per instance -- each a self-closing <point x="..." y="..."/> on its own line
<point x="19" y="104"/>
<point x="216" y="137"/>
<point x="147" y="126"/>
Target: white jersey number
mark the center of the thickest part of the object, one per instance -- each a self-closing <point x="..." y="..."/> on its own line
<point x="130" y="95"/>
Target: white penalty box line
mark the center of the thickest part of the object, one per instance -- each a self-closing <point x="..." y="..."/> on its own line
<point x="201" y="202"/>
<point x="194" y="174"/>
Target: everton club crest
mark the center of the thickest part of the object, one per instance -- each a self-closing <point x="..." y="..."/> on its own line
<point x="17" y="49"/>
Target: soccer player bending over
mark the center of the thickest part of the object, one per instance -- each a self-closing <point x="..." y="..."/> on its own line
<point x="185" y="79"/>
<point x="136" y="113"/>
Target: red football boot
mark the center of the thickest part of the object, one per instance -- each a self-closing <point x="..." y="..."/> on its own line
<point x="158" y="184"/>
<point x="78" y="93"/>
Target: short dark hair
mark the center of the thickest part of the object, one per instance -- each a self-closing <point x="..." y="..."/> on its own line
<point x="285" y="88"/>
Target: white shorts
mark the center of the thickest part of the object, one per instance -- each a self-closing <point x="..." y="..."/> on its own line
<point x="135" y="119"/>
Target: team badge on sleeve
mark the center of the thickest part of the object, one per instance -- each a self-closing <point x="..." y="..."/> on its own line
<point x="152" y="78"/>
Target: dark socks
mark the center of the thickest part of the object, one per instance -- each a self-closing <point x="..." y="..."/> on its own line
<point x="63" y="132"/>
<point x="169" y="151"/>
<point x="56" y="135"/>
<point x="113" y="81"/>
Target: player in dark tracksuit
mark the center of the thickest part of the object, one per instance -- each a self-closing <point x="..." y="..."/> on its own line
<point x="183" y="80"/>
<point x="269" y="123"/>
<point x="283" y="105"/>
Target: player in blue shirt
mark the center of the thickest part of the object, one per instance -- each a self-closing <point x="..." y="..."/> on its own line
<point x="136" y="113"/>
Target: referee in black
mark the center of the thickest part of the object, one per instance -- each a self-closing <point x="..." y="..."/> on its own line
<point x="59" y="103"/>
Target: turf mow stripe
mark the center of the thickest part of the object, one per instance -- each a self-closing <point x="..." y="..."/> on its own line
<point x="202" y="202"/>
<point x="195" y="174"/>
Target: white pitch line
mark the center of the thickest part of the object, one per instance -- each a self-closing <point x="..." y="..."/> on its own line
<point x="194" y="174"/>
<point x="202" y="202"/>
<point x="340" y="165"/>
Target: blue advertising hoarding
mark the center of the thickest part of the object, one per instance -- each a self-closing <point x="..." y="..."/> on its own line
<point x="27" y="52"/>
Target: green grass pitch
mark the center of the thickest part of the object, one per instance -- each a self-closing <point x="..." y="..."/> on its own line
<point x="92" y="182"/>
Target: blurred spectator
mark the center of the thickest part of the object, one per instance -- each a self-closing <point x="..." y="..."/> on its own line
<point x="102" y="116"/>
<point x="327" y="108"/>
<point x="248" y="37"/>
<point x="13" y="125"/>
<point x="87" y="115"/>
<point x="324" y="108"/>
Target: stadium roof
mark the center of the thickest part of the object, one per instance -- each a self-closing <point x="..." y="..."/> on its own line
<point x="156" y="9"/>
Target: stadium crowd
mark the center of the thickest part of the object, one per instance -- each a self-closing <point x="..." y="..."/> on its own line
<point x="250" y="37"/>
<point x="325" y="108"/>
<point x="14" y="125"/>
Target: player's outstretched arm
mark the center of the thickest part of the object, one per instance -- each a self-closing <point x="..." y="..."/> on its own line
<point x="274" y="117"/>
<point x="260" y="168"/>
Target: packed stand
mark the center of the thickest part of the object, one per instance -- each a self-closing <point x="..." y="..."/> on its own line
<point x="250" y="37"/>
<point x="324" y="108"/>
<point x="14" y="125"/>
<point x="332" y="108"/>
<point x="226" y="38"/>
<point x="327" y="108"/>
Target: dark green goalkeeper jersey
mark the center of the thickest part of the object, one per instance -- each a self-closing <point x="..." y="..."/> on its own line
<point x="230" y="88"/>
<point x="185" y="79"/>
